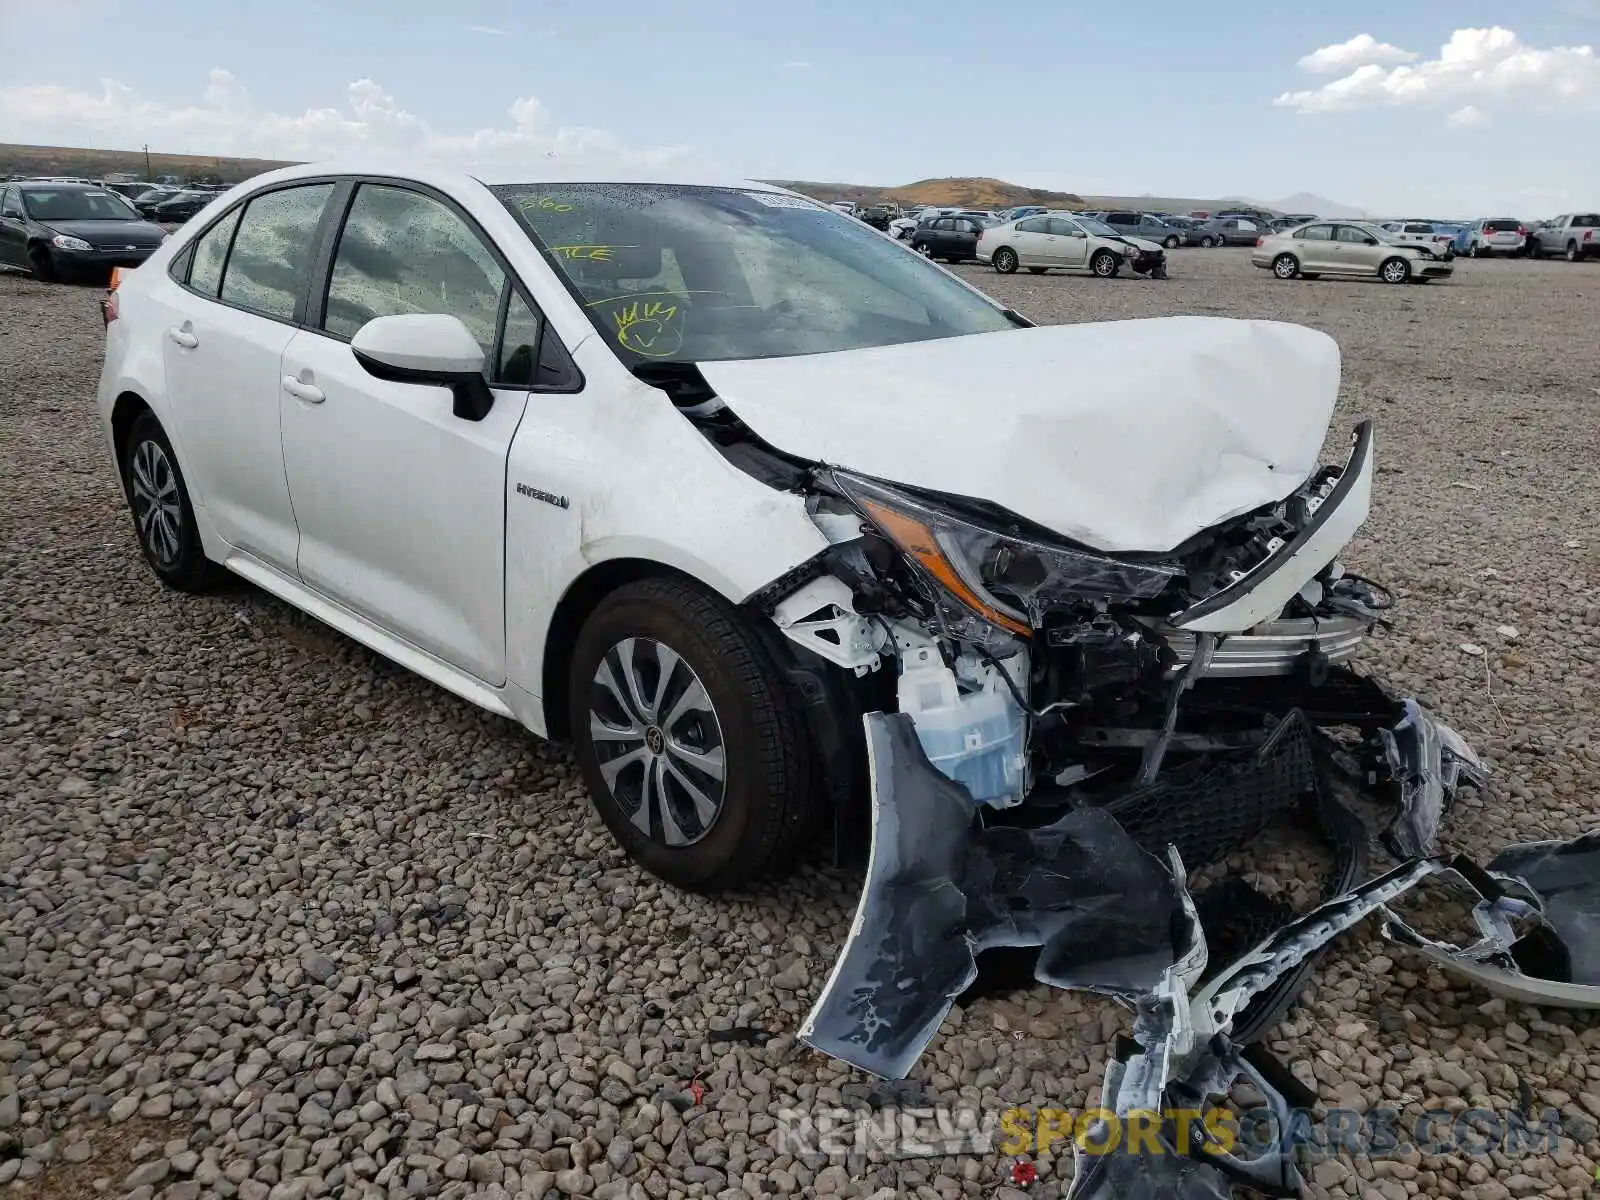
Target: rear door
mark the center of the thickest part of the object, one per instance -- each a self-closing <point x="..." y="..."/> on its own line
<point x="1030" y="238"/>
<point x="401" y="504"/>
<point x="245" y="291"/>
<point x="1316" y="248"/>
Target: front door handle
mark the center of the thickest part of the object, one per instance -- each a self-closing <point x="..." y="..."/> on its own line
<point x="309" y="392"/>
<point x="183" y="337"/>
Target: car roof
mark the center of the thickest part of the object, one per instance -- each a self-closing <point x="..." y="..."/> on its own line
<point x="57" y="187"/>
<point x="447" y="175"/>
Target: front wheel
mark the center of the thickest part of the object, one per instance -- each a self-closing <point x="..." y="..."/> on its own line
<point x="1005" y="260"/>
<point x="1285" y="266"/>
<point x="1395" y="270"/>
<point x="1105" y="264"/>
<point x="163" y="517"/>
<point x="922" y="249"/>
<point x="43" y="264"/>
<point x="691" y="744"/>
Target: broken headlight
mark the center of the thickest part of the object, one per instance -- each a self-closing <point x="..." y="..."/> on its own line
<point x="1008" y="581"/>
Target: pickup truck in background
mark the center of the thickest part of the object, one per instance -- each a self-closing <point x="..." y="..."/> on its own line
<point x="1573" y="235"/>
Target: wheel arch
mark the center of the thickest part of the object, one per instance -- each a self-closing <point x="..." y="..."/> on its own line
<point x="581" y="598"/>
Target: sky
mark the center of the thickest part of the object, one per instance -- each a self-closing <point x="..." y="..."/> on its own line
<point x="1442" y="107"/>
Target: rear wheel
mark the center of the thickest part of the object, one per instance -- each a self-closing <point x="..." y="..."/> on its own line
<point x="163" y="517"/>
<point x="1395" y="270"/>
<point x="692" y="747"/>
<point x="1574" y="253"/>
<point x="1105" y="264"/>
<point x="1285" y="266"/>
<point x="1171" y="242"/>
<point x="1005" y="260"/>
<point x="1207" y="242"/>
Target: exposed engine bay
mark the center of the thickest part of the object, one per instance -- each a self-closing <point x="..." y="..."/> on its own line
<point x="1057" y="741"/>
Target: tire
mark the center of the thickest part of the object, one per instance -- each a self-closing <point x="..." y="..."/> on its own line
<point x="1207" y="243"/>
<point x="1574" y="254"/>
<point x="921" y="248"/>
<point x="1286" y="266"/>
<point x="1172" y="242"/>
<point x="163" y="517"/>
<point x="43" y="264"/>
<point x="1004" y="260"/>
<point x="771" y="787"/>
<point x="1394" y="270"/>
<point x="1036" y="270"/>
<point x="1104" y="264"/>
<point x="1534" y="251"/>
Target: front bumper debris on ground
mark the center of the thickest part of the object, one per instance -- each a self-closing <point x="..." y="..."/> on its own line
<point x="1102" y="892"/>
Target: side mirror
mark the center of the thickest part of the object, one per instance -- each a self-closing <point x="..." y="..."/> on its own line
<point x="427" y="348"/>
<point x="1372" y="241"/>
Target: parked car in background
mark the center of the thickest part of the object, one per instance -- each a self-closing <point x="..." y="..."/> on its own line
<point x="1259" y="215"/>
<point x="1299" y="218"/>
<point x="1573" y="235"/>
<point x="179" y="207"/>
<point x="1191" y="230"/>
<point x="1236" y="231"/>
<point x="1348" y="248"/>
<point x="132" y="190"/>
<point x="1497" y="235"/>
<point x="903" y="225"/>
<point x="1147" y="226"/>
<point x="71" y="230"/>
<point x="1069" y="241"/>
<point x="952" y="237"/>
<point x="1020" y="211"/>
<point x="146" y="201"/>
<point x="1421" y="233"/>
<point x="879" y="215"/>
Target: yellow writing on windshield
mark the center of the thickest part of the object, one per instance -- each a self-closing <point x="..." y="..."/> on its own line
<point x="648" y="328"/>
<point x="596" y="253"/>
<point x="545" y="203"/>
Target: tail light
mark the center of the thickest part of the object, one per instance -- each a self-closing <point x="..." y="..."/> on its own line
<point x="1588" y="234"/>
<point x="108" y="304"/>
<point x="1521" y="232"/>
<point x="1261" y="241"/>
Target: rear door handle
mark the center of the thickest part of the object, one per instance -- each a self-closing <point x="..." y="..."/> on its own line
<point x="183" y="337"/>
<point x="309" y="392"/>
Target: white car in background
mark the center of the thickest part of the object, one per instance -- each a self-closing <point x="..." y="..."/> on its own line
<point x="1070" y="242"/>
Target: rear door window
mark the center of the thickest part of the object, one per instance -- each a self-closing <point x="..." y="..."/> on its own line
<point x="1316" y="233"/>
<point x="1034" y="225"/>
<point x="210" y="253"/>
<point x="270" y="262"/>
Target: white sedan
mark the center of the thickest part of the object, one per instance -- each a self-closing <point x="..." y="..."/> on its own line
<point x="1070" y="242"/>
<point x="708" y="479"/>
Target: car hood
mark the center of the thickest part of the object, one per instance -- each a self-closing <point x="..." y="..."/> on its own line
<point x="1141" y="243"/>
<point x="110" y="234"/>
<point x="1125" y="436"/>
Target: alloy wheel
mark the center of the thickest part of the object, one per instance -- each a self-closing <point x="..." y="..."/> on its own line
<point x="657" y="741"/>
<point x="157" y="508"/>
<point x="1395" y="271"/>
<point x="1285" y="267"/>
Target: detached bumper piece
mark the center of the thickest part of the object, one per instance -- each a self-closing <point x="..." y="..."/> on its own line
<point x="940" y="891"/>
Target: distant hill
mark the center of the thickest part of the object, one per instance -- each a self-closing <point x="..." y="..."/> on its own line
<point x="954" y="192"/>
<point x="94" y="164"/>
<point x="1305" y="202"/>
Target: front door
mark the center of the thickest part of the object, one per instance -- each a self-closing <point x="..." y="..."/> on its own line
<point x="1069" y="245"/>
<point x="13" y="234"/>
<point x="401" y="504"/>
<point x="223" y="353"/>
<point x="1360" y="252"/>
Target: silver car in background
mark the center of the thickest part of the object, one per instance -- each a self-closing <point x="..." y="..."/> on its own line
<point x="1348" y="248"/>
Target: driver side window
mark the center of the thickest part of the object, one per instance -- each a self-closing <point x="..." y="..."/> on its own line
<point x="403" y="252"/>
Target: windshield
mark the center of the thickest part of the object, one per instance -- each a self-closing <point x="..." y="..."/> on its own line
<point x="75" y="205"/>
<point x="705" y="274"/>
<point x="1098" y="228"/>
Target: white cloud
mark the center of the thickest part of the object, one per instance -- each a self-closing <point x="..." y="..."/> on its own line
<point x="1475" y="66"/>
<point x="1466" y="118"/>
<point x="370" y="121"/>
<point x="1360" y="51"/>
<point x="486" y="30"/>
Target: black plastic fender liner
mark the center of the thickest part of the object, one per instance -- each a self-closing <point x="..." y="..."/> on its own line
<point x="1108" y="916"/>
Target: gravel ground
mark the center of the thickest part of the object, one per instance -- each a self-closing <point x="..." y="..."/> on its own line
<point x="278" y="919"/>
